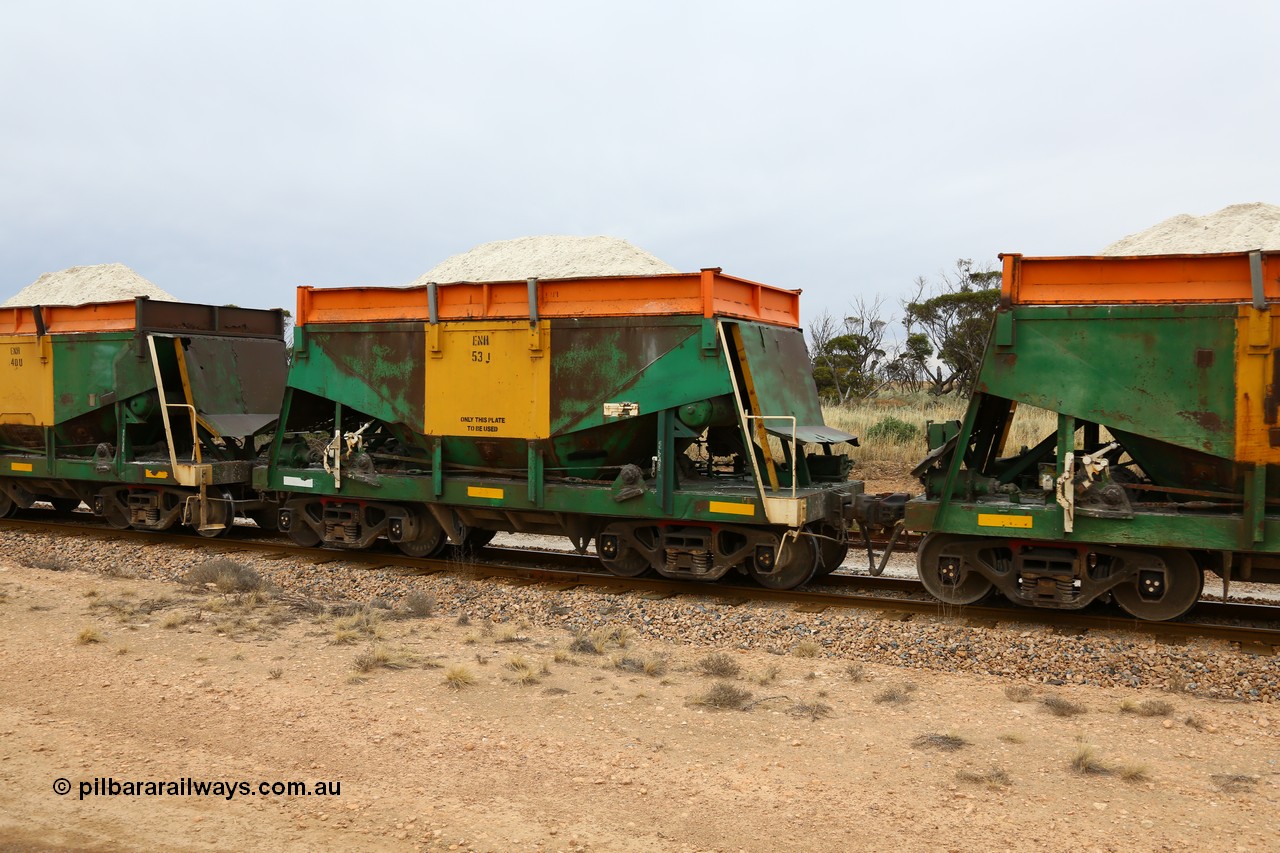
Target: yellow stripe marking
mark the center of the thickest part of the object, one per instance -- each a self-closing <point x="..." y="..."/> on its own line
<point x="1021" y="521"/>
<point x="731" y="508"/>
<point x="20" y="466"/>
<point x="481" y="492"/>
<point x="155" y="475"/>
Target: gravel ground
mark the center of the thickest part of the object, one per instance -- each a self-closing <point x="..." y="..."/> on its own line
<point x="942" y="643"/>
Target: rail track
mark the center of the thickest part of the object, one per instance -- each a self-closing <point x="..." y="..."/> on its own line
<point x="1255" y="627"/>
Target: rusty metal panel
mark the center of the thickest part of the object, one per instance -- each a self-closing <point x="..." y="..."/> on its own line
<point x="378" y="369"/>
<point x="182" y="318"/>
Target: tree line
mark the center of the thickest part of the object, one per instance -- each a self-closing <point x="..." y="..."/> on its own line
<point x="945" y="326"/>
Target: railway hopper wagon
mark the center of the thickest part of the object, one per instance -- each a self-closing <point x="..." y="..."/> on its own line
<point x="147" y="411"/>
<point x="1163" y="373"/>
<point x="669" y="419"/>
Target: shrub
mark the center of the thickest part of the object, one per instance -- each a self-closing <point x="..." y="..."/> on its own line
<point x="225" y="575"/>
<point x="724" y="696"/>
<point x="719" y="665"/>
<point x="893" y="430"/>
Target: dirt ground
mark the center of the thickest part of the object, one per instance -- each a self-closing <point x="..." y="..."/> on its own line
<point x="565" y="749"/>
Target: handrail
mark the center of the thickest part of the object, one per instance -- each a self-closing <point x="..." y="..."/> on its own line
<point x="795" y="449"/>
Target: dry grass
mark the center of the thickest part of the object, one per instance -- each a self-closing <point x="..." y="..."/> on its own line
<point x="365" y="623"/>
<point x="1012" y="737"/>
<point x="174" y="620"/>
<point x="1196" y="722"/>
<point x="274" y="673"/>
<point x="724" y="696"/>
<point x="813" y="710"/>
<point x="511" y="634"/>
<point x="807" y="649"/>
<point x="1147" y="707"/>
<point x="1020" y="692"/>
<point x="381" y="657"/>
<point x="524" y="673"/>
<point x="943" y="742"/>
<point x="1060" y="706"/>
<point x="224" y="575"/>
<point x="1134" y="773"/>
<point x="458" y="676"/>
<point x="861" y="418"/>
<point x="718" y="665"/>
<point x="601" y="640"/>
<point x="768" y="674"/>
<point x="88" y="636"/>
<point x="856" y="672"/>
<point x="895" y="694"/>
<point x="1234" y="783"/>
<point x="418" y="603"/>
<point x="993" y="777"/>
<point x="1085" y="760"/>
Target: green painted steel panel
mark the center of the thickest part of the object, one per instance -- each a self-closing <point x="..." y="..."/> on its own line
<point x="1132" y="367"/>
<point x="779" y="364"/>
<point x="99" y="365"/>
<point x="657" y="365"/>
<point x="375" y="368"/>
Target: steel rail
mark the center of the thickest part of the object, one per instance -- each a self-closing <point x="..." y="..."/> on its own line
<point x="575" y="569"/>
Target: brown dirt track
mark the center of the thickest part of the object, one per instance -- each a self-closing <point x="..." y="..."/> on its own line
<point x="590" y="757"/>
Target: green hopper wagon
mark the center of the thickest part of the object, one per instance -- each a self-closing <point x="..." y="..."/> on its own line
<point x="1163" y="373"/>
<point x="670" y="419"/>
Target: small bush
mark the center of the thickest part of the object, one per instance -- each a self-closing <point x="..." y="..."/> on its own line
<point x="1062" y="707"/>
<point x="945" y="742"/>
<point x="1147" y="707"/>
<point x="893" y="431"/>
<point x="1234" y="783"/>
<point x="380" y="657"/>
<point x="719" y="665"/>
<point x="768" y="675"/>
<point x="807" y="649"/>
<point x="895" y="694"/>
<point x="88" y="636"/>
<point x="655" y="666"/>
<point x="1020" y="692"/>
<point x="856" y="672"/>
<point x="419" y="603"/>
<point x="225" y="575"/>
<point x="813" y="710"/>
<point x="725" y="696"/>
<point x="274" y="673"/>
<point x="995" y="777"/>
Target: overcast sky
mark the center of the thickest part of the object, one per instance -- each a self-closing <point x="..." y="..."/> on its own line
<point x="229" y="151"/>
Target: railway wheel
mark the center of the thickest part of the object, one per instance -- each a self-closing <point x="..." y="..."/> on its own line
<point x="945" y="573"/>
<point x="477" y="539"/>
<point x="112" y="510"/>
<point x="619" y="558"/>
<point x="430" y="542"/>
<point x="832" y="549"/>
<point x="794" y="563"/>
<point x="299" y="531"/>
<point x="1167" y="585"/>
<point x="7" y="506"/>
